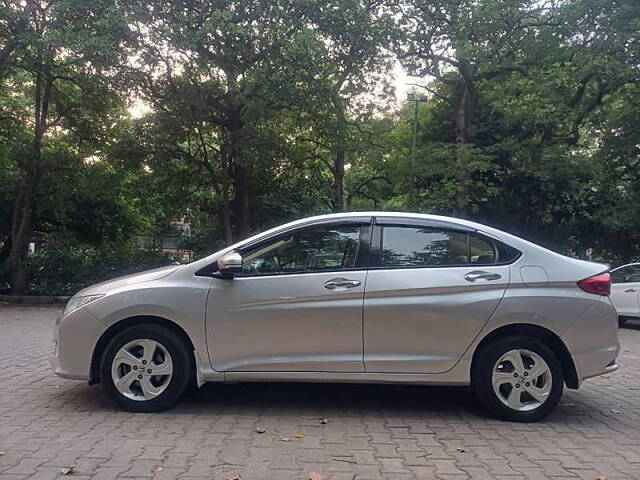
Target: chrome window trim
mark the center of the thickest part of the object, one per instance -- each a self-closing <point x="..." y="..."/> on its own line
<point x="381" y="222"/>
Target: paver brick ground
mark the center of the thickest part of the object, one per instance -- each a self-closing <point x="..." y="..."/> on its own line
<point x="373" y="431"/>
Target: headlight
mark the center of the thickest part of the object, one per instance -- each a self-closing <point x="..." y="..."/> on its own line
<point x="75" y="303"/>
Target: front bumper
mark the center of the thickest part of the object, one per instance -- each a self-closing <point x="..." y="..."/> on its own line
<point x="74" y="339"/>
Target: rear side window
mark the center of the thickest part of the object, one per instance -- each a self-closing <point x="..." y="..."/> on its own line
<point x="427" y="246"/>
<point x="506" y="253"/>
<point x="409" y="246"/>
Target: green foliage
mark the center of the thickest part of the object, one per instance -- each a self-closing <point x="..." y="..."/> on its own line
<point x="264" y="111"/>
<point x="63" y="268"/>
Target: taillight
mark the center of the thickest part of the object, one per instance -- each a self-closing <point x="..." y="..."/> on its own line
<point x="599" y="284"/>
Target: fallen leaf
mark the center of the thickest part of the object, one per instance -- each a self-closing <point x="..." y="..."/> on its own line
<point x="324" y="421"/>
<point x="615" y="412"/>
<point x="460" y="449"/>
<point x="68" y="470"/>
<point x="159" y="469"/>
<point x="299" y="435"/>
<point x="316" y="476"/>
<point x="235" y="477"/>
<point x="2" y="453"/>
<point x="285" y="439"/>
<point x="601" y="477"/>
<point x="260" y="430"/>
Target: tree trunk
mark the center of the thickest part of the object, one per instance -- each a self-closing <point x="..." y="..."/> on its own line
<point x="5" y="251"/>
<point x="340" y="140"/>
<point x="226" y="227"/>
<point x="225" y="214"/>
<point x="241" y="204"/>
<point x="22" y="226"/>
<point x="22" y="222"/>
<point x="234" y="147"/>
<point x="235" y="212"/>
<point x="338" y="179"/>
<point x="463" y="119"/>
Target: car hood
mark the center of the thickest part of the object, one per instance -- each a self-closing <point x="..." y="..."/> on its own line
<point x="145" y="276"/>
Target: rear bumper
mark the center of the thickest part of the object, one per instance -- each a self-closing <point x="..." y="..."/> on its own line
<point x="593" y="341"/>
<point x="594" y="364"/>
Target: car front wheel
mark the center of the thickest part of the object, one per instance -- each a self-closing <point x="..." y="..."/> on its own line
<point x="518" y="378"/>
<point x="146" y="368"/>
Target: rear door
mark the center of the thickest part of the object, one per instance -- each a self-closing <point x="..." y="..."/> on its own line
<point x="625" y="290"/>
<point x="431" y="288"/>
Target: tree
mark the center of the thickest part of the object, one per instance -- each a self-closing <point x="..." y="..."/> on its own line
<point x="57" y="58"/>
<point x="14" y="30"/>
<point x="220" y="68"/>
<point x="353" y="37"/>
<point x="462" y="43"/>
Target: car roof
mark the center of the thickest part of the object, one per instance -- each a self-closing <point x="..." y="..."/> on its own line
<point x="499" y="234"/>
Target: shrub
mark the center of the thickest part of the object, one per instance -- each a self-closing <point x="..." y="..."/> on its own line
<point x="65" y="269"/>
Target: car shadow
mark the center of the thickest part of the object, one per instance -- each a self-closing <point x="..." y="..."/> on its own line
<point x="317" y="400"/>
<point x="294" y="397"/>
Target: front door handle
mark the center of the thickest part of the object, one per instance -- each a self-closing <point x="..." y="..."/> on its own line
<point x="341" y="282"/>
<point x="631" y="290"/>
<point x="481" y="275"/>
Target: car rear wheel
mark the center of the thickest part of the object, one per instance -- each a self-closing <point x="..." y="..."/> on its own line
<point x="622" y="321"/>
<point x="518" y="378"/>
<point x="146" y="368"/>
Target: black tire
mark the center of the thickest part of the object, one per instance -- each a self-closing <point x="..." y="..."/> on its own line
<point x="481" y="378"/>
<point x="181" y="358"/>
<point x="622" y="321"/>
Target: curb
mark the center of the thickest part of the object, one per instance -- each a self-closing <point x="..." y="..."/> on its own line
<point x="33" y="299"/>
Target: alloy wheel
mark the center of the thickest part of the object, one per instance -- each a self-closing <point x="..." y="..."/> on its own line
<point x="142" y="369"/>
<point x="522" y="380"/>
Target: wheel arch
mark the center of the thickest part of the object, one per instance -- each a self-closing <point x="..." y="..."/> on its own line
<point x="119" y="326"/>
<point x="551" y="339"/>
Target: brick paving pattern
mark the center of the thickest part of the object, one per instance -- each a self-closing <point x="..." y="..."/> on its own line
<point x="373" y="431"/>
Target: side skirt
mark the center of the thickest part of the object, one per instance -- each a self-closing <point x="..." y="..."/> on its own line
<point x="458" y="376"/>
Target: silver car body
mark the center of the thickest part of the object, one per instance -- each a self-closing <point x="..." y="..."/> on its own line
<point x="419" y="325"/>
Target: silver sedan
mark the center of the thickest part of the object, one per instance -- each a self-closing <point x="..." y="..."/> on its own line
<point x="374" y="297"/>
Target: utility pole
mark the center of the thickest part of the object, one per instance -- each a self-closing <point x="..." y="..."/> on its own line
<point x="413" y="193"/>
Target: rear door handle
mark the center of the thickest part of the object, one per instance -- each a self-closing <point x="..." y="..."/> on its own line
<point x="631" y="290"/>
<point x="341" y="282"/>
<point x="481" y="275"/>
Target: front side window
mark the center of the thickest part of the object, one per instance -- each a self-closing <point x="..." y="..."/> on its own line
<point x="313" y="249"/>
<point x="629" y="274"/>
<point x="430" y="246"/>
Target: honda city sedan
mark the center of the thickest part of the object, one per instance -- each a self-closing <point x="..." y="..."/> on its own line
<point x="376" y="297"/>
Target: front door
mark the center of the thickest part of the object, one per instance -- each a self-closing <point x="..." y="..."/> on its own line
<point x="429" y="295"/>
<point x="296" y="306"/>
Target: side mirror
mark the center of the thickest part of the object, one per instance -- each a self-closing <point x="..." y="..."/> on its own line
<point x="229" y="264"/>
